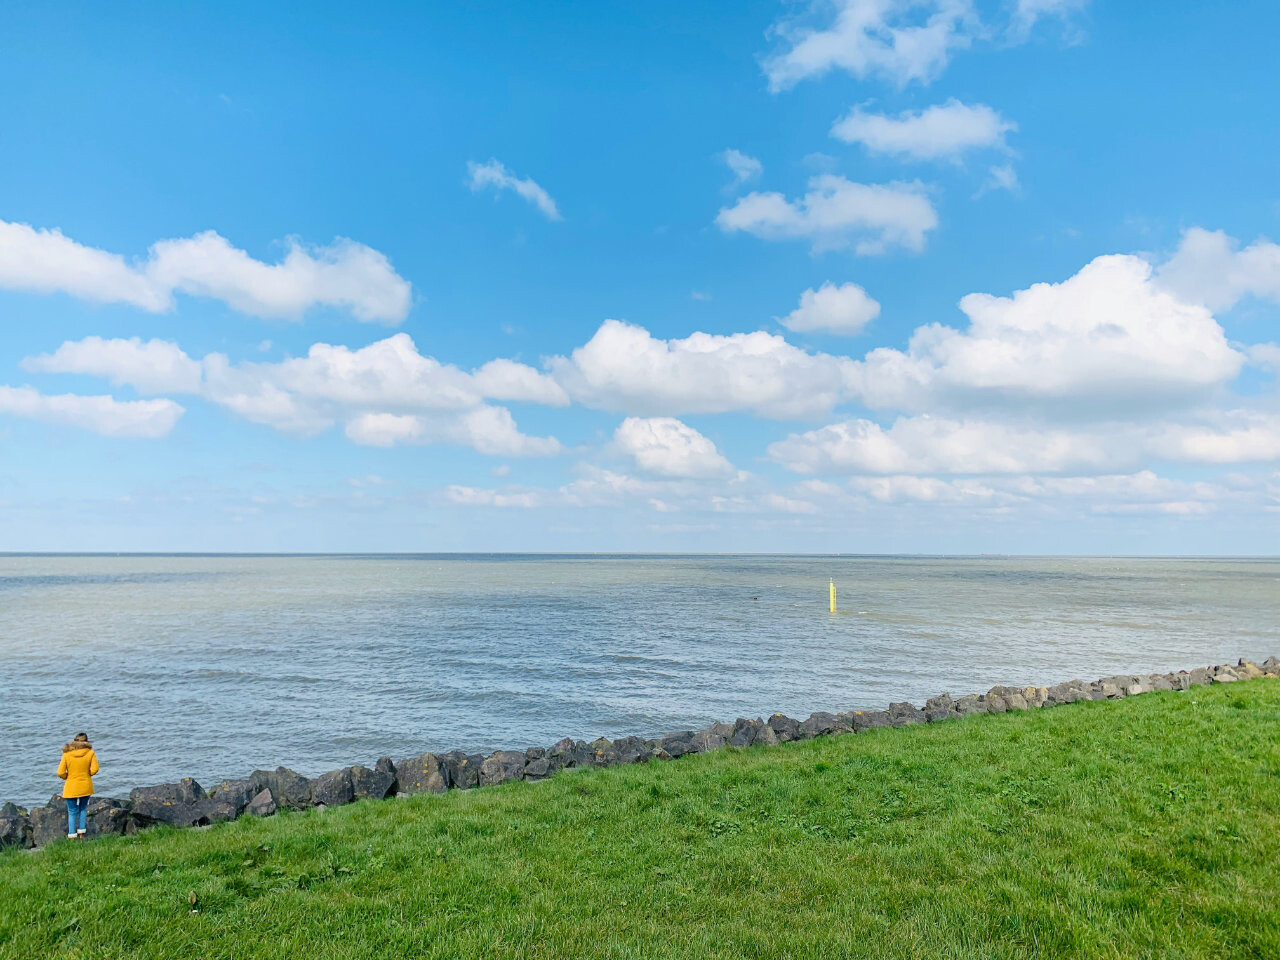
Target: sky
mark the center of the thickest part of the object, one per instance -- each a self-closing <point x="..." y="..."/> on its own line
<point x="849" y="276"/>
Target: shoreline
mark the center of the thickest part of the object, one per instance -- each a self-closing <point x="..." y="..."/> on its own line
<point x="187" y="804"/>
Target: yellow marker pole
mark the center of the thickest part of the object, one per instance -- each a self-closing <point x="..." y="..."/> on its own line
<point x="833" y="596"/>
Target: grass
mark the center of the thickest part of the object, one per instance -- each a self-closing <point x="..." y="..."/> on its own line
<point x="1148" y="827"/>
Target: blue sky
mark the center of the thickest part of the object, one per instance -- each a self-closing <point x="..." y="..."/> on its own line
<point x="855" y="276"/>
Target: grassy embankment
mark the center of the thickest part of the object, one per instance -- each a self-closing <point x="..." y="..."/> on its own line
<point x="1148" y="827"/>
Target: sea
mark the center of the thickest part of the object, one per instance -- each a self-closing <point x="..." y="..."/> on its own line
<point x="212" y="666"/>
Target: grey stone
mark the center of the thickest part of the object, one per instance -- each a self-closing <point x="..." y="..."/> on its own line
<point x="870" y="719"/>
<point x="1247" y="670"/>
<point x="1109" y="689"/>
<point x="373" y="784"/>
<point x="631" y="750"/>
<point x="822" y="724"/>
<point x="1016" y="700"/>
<point x="939" y="708"/>
<point x="1035" y="696"/>
<point x="1225" y="677"/>
<point x="15" y="826"/>
<point x="970" y="704"/>
<point x="902" y="713"/>
<point x="181" y="804"/>
<point x="677" y="744"/>
<point x="994" y="703"/>
<point x="602" y="752"/>
<point x="535" y="753"/>
<point x="712" y="738"/>
<point x="288" y="788"/>
<point x="765" y="736"/>
<point x="569" y="754"/>
<point x="424" y="773"/>
<point x="333" y="789"/>
<point x="784" y="728"/>
<point x="48" y="823"/>
<point x="106" y="816"/>
<point x="462" y="769"/>
<point x="1160" y="681"/>
<point x="501" y="766"/>
<point x="538" y="769"/>
<point x="745" y="732"/>
<point x="1181" y="680"/>
<point x="229" y="798"/>
<point x="262" y="805"/>
<point x="1271" y="665"/>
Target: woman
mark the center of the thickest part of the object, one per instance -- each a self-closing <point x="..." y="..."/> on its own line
<point x="79" y="764"/>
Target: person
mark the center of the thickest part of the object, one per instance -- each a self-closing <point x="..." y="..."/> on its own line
<point x="79" y="764"/>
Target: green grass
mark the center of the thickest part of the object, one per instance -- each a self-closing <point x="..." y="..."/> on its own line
<point x="1148" y="827"/>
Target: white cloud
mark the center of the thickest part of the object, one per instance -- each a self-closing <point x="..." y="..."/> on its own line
<point x="899" y="40"/>
<point x="1028" y="12"/>
<point x="1000" y="177"/>
<point x="845" y="309"/>
<point x="1240" y="436"/>
<point x="479" y="497"/>
<point x="836" y="213"/>
<point x="345" y="275"/>
<point x="156" y="366"/>
<point x="494" y="175"/>
<point x="744" y="167"/>
<point x="102" y="415"/>
<point x="937" y="132"/>
<point x="1208" y="267"/>
<point x="386" y="391"/>
<point x="624" y="368"/>
<point x="667" y="447"/>
<point x="1106" y="335"/>
<point x="923" y="445"/>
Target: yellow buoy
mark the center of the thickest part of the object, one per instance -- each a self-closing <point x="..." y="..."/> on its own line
<point x="833" y="596"/>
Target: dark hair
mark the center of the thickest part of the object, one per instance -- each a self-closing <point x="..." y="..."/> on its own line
<point x="81" y="736"/>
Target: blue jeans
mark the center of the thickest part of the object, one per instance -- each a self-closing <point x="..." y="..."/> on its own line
<point x="77" y="812"/>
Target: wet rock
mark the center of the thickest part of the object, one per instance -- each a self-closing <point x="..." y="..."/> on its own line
<point x="263" y="804"/>
<point x="333" y="789"/>
<point x="870" y="719"/>
<point x="902" y="713"/>
<point x="424" y="773"/>
<point x="373" y="784"/>
<point x="501" y="766"/>
<point x="462" y="770"/>
<point x="939" y="708"/>
<point x="229" y="798"/>
<point x="712" y="738"/>
<point x="288" y="788"/>
<point x="181" y="804"/>
<point x="677" y="744"/>
<point x="15" y="826"/>
<point x="784" y="728"/>
<point x="631" y="750"/>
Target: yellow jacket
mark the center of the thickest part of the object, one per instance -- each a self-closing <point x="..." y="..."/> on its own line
<point x="78" y="766"/>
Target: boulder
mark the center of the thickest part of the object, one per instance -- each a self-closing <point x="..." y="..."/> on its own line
<point x="106" y="817"/>
<point x="424" y="773"/>
<point x="870" y="719"/>
<point x="538" y="769"/>
<point x="229" y="798"/>
<point x="993" y="703"/>
<point x="262" y="805"/>
<point x="1016" y="700"/>
<point x="1247" y="670"/>
<point x="181" y="804"/>
<point x="632" y="750"/>
<point x="1035" y="696"/>
<point x="970" y="704"/>
<point x="15" y="826"/>
<point x="48" y="823"/>
<point x="1180" y="680"/>
<point x="939" y="708"/>
<point x="501" y="766"/>
<point x="902" y="713"/>
<point x="712" y="738"/>
<point x="462" y="769"/>
<point x="1109" y="689"/>
<point x="1199" y="676"/>
<point x="288" y="788"/>
<point x="821" y="724"/>
<point x="333" y="789"/>
<point x="373" y="784"/>
<point x="1271" y="665"/>
<point x="747" y="731"/>
<point x="767" y="738"/>
<point x="1160" y="681"/>
<point x="569" y="753"/>
<point x="677" y="744"/>
<point x="1225" y="676"/>
<point x="602" y="752"/>
<point x="784" y="728"/>
<point x="535" y="753"/>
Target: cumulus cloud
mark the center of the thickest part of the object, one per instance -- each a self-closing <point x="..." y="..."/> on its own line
<point x="899" y="40"/>
<point x="99" y="414"/>
<point x="493" y="175"/>
<point x="944" y="131"/>
<point x="624" y="368"/>
<point x="745" y="168"/>
<point x="1210" y="268"/>
<point x="1106" y="335"/>
<point x="345" y="275"/>
<point x="836" y="213"/>
<point x="387" y="391"/>
<point x="845" y="309"/>
<point x="668" y="447"/>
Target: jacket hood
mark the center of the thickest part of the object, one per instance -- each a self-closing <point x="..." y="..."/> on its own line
<point x="75" y="745"/>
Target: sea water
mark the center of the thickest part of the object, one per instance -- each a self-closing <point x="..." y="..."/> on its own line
<point x="212" y="666"/>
